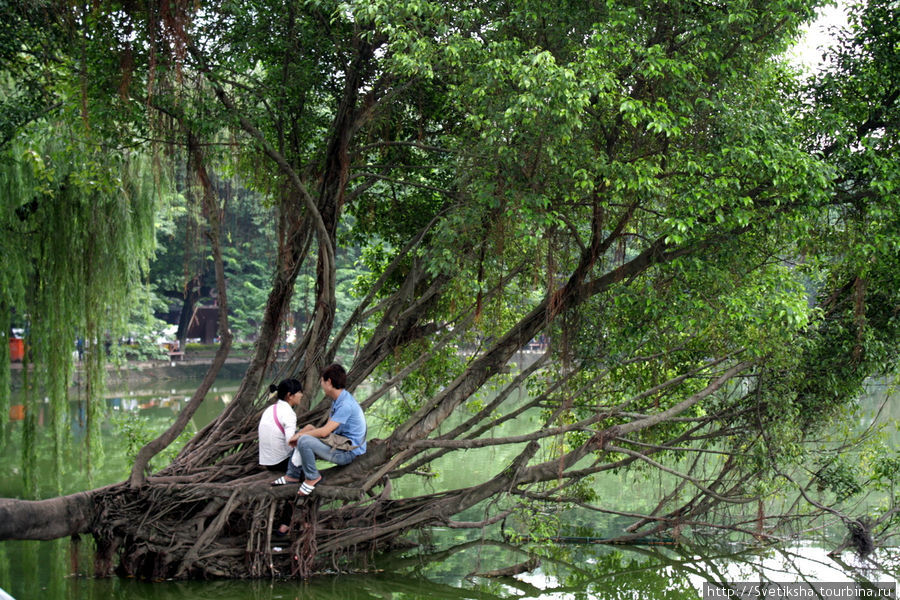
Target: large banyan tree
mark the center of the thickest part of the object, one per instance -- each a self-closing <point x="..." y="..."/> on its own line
<point x="702" y="245"/>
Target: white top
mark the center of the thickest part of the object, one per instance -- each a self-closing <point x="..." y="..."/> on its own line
<point x="273" y="446"/>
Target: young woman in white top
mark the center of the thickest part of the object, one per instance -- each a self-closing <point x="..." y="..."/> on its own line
<point x="278" y="425"/>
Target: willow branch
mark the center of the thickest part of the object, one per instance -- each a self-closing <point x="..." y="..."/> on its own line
<point x="142" y="460"/>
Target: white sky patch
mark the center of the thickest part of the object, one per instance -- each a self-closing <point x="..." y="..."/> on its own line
<point x="818" y="36"/>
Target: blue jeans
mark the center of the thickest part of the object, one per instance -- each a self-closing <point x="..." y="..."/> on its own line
<point x="303" y="461"/>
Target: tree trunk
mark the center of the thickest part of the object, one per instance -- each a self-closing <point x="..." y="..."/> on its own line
<point x="48" y="519"/>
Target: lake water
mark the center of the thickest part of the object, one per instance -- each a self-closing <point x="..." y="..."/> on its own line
<point x="47" y="570"/>
<point x="447" y="563"/>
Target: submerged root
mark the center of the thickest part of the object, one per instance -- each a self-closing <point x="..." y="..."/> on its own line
<point x="511" y="571"/>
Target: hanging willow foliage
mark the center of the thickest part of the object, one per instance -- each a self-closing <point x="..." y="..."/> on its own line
<point x="12" y="272"/>
<point x="80" y="219"/>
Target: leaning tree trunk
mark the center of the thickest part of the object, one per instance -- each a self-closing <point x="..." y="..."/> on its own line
<point x="216" y="517"/>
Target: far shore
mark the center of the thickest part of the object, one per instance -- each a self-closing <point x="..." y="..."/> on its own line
<point x="189" y="365"/>
<point x="148" y="371"/>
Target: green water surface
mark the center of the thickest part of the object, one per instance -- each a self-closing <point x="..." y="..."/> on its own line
<point x="444" y="563"/>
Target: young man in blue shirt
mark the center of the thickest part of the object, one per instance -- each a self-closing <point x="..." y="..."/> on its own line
<point x="346" y="419"/>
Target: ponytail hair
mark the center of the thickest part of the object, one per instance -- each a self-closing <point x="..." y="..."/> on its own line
<point x="287" y="386"/>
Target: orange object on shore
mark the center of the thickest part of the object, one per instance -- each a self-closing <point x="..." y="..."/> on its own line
<point x="17" y="412"/>
<point x="16" y="349"/>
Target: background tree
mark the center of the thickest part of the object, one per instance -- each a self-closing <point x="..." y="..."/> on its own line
<point x="78" y="227"/>
<point x="635" y="183"/>
<point x="183" y="271"/>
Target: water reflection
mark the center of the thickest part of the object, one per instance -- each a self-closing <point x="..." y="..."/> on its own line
<point x="157" y="402"/>
<point x="448" y="564"/>
<point x="133" y="417"/>
<point x="56" y="571"/>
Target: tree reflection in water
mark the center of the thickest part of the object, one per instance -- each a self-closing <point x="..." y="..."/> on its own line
<point x="666" y="572"/>
<point x="588" y="571"/>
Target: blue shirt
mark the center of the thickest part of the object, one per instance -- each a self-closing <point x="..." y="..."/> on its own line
<point x="352" y="423"/>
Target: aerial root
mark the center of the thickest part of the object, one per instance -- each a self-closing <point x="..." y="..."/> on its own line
<point x="304" y="548"/>
<point x="860" y="536"/>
